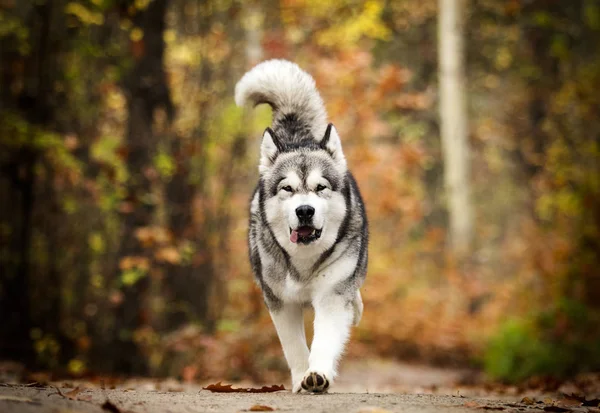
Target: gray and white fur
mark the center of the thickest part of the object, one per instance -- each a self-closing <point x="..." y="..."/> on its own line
<point x="308" y="231"/>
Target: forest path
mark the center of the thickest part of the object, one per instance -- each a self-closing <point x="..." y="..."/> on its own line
<point x="22" y="399"/>
<point x="375" y="386"/>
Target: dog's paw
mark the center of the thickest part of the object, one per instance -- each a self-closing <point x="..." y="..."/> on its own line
<point x="315" y="382"/>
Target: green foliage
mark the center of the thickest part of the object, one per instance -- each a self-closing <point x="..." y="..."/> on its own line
<point x="131" y="276"/>
<point x="556" y="342"/>
<point x="13" y="27"/>
<point x="165" y="165"/>
<point x="517" y="352"/>
<point x="84" y="14"/>
<point x="16" y="133"/>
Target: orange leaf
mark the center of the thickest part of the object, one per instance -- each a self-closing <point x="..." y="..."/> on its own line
<point x="261" y="408"/>
<point x="226" y="388"/>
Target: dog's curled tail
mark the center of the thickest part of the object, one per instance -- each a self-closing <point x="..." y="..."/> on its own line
<point x="287" y="89"/>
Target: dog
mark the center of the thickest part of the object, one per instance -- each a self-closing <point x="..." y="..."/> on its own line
<point x="308" y="231"/>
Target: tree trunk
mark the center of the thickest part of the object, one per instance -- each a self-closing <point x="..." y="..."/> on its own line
<point x="147" y="91"/>
<point x="36" y="104"/>
<point x="454" y="124"/>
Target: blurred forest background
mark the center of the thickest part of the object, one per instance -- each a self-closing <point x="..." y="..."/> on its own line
<point x="125" y="172"/>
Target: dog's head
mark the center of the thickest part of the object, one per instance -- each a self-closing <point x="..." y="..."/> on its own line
<point x="303" y="199"/>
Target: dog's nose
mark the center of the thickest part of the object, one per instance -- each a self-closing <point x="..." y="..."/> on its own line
<point x="305" y="212"/>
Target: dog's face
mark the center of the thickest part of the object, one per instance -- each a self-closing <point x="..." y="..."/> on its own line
<point x="304" y="203"/>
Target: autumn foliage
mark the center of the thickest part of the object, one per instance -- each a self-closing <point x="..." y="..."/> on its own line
<point x="128" y="255"/>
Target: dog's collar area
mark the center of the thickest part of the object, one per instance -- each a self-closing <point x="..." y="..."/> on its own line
<point x="305" y="234"/>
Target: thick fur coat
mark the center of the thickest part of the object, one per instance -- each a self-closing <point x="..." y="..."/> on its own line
<point x="308" y="232"/>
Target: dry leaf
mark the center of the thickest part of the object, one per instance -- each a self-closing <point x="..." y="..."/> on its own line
<point x="582" y="400"/>
<point x="226" y="388"/>
<point x="110" y="407"/>
<point x="527" y="401"/>
<point x="261" y="408"/>
<point x="72" y="395"/>
<point x="568" y="401"/>
<point x="35" y="384"/>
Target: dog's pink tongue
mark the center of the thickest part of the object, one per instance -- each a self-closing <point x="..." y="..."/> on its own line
<point x="294" y="236"/>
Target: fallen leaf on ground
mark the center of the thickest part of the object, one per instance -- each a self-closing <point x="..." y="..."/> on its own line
<point x="110" y="407"/>
<point x="35" y="384"/>
<point x="582" y="400"/>
<point x="260" y="408"/>
<point x="568" y="401"/>
<point x="16" y="399"/>
<point x="527" y="401"/>
<point x="227" y="388"/>
<point x="72" y="395"/>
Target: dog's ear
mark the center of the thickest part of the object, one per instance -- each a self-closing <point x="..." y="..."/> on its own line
<point x="269" y="149"/>
<point x="331" y="143"/>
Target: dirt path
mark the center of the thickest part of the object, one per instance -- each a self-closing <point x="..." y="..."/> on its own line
<point x="22" y="399"/>
<point x="375" y="386"/>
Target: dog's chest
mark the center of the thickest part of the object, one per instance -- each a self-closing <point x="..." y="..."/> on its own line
<point x="294" y="291"/>
<point x="306" y="290"/>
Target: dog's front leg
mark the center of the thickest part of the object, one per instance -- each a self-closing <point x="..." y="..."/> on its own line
<point x="289" y="323"/>
<point x="334" y="314"/>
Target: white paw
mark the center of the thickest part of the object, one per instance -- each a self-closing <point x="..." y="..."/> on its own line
<point x="315" y="382"/>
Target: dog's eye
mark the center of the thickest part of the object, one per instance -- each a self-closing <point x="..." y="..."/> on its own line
<point x="287" y="188"/>
<point x="320" y="187"/>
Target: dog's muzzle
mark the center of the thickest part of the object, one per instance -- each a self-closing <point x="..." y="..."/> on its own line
<point x="305" y="234"/>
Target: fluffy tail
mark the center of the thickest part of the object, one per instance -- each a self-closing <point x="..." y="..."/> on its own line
<point x="288" y="90"/>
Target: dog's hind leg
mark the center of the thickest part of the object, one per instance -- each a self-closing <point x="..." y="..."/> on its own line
<point x="289" y="323"/>
<point x="333" y="317"/>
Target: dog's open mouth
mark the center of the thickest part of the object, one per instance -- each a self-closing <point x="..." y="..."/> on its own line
<point x="304" y="234"/>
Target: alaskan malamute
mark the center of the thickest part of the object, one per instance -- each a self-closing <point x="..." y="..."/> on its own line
<point x="308" y="228"/>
